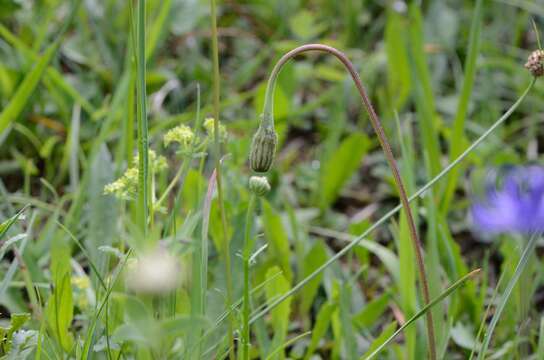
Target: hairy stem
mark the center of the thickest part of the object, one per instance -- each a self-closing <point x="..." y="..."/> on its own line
<point x="267" y="119"/>
<point x="225" y="242"/>
<point x="246" y="255"/>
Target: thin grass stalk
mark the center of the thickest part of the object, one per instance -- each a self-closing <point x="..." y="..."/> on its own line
<point x="424" y="310"/>
<point x="520" y="267"/>
<point x="143" y="142"/>
<point x="382" y="138"/>
<point x="246" y="255"/>
<point x="395" y="210"/>
<point x="225" y="242"/>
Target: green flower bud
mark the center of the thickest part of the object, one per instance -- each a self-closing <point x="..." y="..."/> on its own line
<point x="263" y="149"/>
<point x="259" y="185"/>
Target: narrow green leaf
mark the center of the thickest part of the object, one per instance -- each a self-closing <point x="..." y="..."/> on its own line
<point x="320" y="328"/>
<point x="340" y="167"/>
<point x="18" y="102"/>
<point x="372" y="311"/>
<point x="4" y="227"/>
<point x="523" y="261"/>
<point x="277" y="238"/>
<point x="422" y="312"/>
<point x="313" y="259"/>
<point x="457" y="136"/>
<point x="387" y="332"/>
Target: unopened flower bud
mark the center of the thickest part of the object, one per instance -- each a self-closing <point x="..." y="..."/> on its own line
<point x="535" y="63"/>
<point x="259" y="185"/>
<point x="263" y="149"/>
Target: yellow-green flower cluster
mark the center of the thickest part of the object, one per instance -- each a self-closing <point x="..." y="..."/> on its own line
<point x="182" y="134"/>
<point x="156" y="162"/>
<point x="210" y="130"/>
<point x="126" y="187"/>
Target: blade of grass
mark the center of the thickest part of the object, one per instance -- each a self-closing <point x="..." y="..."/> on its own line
<point x="286" y="344"/>
<point x="53" y="74"/>
<point x="143" y="141"/>
<point x="422" y="312"/>
<point x="6" y="225"/>
<point x="226" y="243"/>
<point x="19" y="100"/>
<point x="523" y="261"/>
<point x="457" y="136"/>
<point x="423" y="92"/>
<point x="392" y="212"/>
<point x="25" y="90"/>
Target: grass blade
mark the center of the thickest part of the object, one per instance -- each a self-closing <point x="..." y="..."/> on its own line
<point x="18" y="102"/>
<point x="143" y="142"/>
<point x="462" y="108"/>
<point x="523" y="261"/>
<point x="422" y="312"/>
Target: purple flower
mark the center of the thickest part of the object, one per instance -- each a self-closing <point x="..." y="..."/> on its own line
<point x="517" y="206"/>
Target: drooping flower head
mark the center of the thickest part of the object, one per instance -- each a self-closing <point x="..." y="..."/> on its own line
<point x="515" y="206"/>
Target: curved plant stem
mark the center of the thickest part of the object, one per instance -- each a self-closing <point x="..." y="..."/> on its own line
<point x="267" y="119"/>
<point x="225" y="242"/>
<point x="395" y="210"/>
<point x="246" y="255"/>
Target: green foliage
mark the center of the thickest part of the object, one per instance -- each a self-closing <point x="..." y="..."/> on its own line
<point x="331" y="270"/>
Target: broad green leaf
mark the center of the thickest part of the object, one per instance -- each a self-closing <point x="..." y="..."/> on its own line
<point x="398" y="67"/>
<point x="278" y="285"/>
<point x="340" y="167"/>
<point x="60" y="304"/>
<point x="313" y="259"/>
<point x="277" y="239"/>
<point x="320" y="328"/>
<point x="102" y="209"/>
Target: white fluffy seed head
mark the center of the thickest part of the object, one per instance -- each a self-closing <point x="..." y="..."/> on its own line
<point x="155" y="272"/>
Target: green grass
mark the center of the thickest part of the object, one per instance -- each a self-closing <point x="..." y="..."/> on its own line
<point x="322" y="265"/>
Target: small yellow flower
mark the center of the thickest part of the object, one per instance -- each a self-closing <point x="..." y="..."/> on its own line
<point x="81" y="282"/>
<point x="126" y="187"/>
<point x="156" y="162"/>
<point x="209" y="124"/>
<point x="181" y="134"/>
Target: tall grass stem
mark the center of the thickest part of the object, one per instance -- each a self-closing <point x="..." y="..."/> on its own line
<point x="220" y="198"/>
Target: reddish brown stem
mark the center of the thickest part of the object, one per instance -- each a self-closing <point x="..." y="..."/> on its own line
<point x="268" y="120"/>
